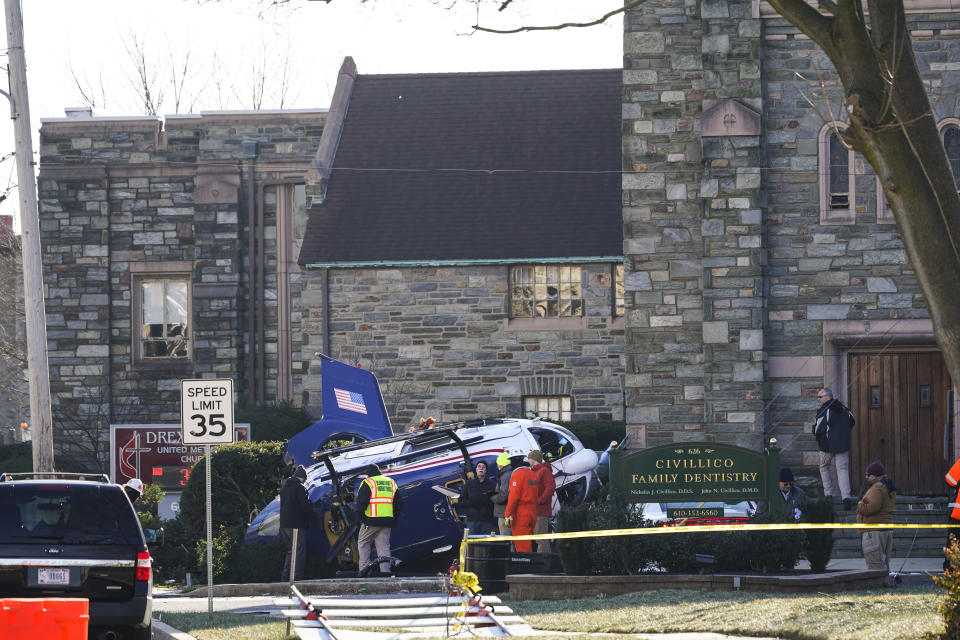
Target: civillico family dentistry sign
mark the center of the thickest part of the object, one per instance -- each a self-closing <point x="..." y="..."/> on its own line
<point x="692" y="471"/>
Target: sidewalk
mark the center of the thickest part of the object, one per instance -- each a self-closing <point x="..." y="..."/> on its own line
<point x="897" y="565"/>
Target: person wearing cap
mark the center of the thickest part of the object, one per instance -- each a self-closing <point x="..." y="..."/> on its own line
<point x="133" y="489"/>
<point x="506" y="463"/>
<point x="546" y="488"/>
<point x="378" y="505"/>
<point x="832" y="428"/>
<point x="793" y="497"/>
<point x="876" y="507"/>
<point x="296" y="512"/>
<point x="476" y="495"/>
<point x="521" y="512"/>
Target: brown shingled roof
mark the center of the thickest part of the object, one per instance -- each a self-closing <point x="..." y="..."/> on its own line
<point x="513" y="165"/>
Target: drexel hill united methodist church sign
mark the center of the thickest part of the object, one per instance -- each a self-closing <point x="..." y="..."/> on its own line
<point x="682" y="472"/>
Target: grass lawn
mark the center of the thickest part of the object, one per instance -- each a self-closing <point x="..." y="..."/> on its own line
<point x="887" y="614"/>
<point x="904" y="613"/>
<point x="228" y="626"/>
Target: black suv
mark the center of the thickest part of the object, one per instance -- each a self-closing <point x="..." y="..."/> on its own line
<point x="74" y="536"/>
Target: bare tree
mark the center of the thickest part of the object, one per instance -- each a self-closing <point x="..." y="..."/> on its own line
<point x="92" y="94"/>
<point x="145" y="77"/>
<point x="180" y="81"/>
<point x="893" y="126"/>
<point x="83" y="430"/>
<point x="14" y="392"/>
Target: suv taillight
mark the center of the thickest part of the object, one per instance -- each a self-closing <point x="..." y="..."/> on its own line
<point x="143" y="566"/>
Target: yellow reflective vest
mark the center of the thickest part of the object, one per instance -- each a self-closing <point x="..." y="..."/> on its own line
<point x="382" y="491"/>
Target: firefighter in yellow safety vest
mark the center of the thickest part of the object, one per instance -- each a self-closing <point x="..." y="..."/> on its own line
<point x="953" y="479"/>
<point x="378" y="506"/>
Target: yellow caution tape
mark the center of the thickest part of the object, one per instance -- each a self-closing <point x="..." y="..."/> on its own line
<point x="711" y="528"/>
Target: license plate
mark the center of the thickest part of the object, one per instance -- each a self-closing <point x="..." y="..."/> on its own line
<point x="53" y="576"/>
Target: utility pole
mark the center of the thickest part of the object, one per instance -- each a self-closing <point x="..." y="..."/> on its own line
<point x="41" y="421"/>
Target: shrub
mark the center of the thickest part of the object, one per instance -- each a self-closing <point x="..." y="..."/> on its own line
<point x="573" y="553"/>
<point x="16" y="458"/>
<point x="628" y="555"/>
<point x="949" y="582"/>
<point x="273" y="421"/>
<point x="597" y="434"/>
<point x="177" y="554"/>
<point x="818" y="543"/>
<point x="761" y="551"/>
<point x="245" y="477"/>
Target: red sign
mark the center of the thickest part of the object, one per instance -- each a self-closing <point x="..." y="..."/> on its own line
<point x="155" y="454"/>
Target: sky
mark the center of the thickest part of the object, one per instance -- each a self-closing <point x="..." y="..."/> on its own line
<point x="225" y="44"/>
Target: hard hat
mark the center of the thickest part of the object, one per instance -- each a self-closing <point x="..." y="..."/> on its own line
<point x="135" y="484"/>
<point x="504" y="458"/>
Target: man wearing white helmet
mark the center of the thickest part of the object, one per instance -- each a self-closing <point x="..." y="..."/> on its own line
<point x="133" y="489"/>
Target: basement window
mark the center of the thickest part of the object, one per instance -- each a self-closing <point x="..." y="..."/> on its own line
<point x="548" y="407"/>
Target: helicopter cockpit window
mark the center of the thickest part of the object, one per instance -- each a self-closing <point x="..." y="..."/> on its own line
<point x="553" y="444"/>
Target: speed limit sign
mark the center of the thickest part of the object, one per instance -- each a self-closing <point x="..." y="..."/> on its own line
<point x="206" y="411"/>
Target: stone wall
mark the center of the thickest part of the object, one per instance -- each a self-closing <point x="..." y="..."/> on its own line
<point x="732" y="276"/>
<point x="126" y="197"/>
<point x="441" y="344"/>
<point x="693" y="237"/>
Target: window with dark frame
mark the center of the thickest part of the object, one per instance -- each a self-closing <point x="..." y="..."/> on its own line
<point x="546" y="291"/>
<point x="951" y="143"/>
<point x="839" y="178"/>
<point x="618" y="290"/>
<point x="548" y="407"/>
<point x="925" y="396"/>
<point x="163" y="318"/>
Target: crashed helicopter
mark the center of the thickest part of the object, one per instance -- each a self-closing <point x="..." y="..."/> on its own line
<point x="428" y="465"/>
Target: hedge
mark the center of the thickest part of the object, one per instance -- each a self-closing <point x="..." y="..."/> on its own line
<point x="596" y="434"/>
<point x="766" y="551"/>
<point x="273" y="421"/>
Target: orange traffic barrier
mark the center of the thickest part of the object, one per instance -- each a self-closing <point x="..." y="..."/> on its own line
<point x="51" y="618"/>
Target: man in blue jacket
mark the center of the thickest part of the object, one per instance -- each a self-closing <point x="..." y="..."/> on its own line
<point x="296" y="512"/>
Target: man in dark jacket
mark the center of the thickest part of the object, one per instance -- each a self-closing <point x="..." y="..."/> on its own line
<point x="832" y="430"/>
<point x="793" y="498"/>
<point x="476" y="498"/>
<point x="378" y="505"/>
<point x="296" y="513"/>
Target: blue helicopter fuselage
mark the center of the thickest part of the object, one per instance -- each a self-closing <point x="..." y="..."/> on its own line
<point x="429" y="469"/>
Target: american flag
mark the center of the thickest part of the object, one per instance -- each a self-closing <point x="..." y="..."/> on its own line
<point x="350" y="400"/>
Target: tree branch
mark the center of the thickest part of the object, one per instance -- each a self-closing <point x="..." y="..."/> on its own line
<point x="813" y="23"/>
<point x="565" y="25"/>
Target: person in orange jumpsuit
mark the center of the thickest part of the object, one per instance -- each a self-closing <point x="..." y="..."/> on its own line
<point x="521" y="513"/>
<point x="953" y="479"/>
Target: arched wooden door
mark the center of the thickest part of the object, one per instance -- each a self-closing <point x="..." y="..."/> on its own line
<point x="900" y="402"/>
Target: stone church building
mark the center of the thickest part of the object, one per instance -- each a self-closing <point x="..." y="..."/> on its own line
<point x="683" y="244"/>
